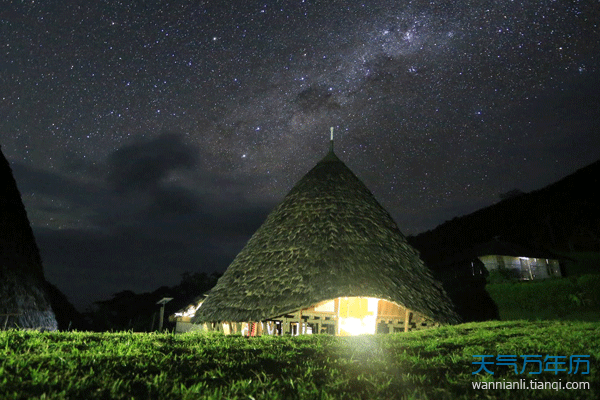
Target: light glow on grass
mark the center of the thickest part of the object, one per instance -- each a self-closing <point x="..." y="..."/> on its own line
<point x="433" y="364"/>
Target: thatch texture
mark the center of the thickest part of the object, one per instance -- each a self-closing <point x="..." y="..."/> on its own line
<point x="23" y="295"/>
<point x="328" y="238"/>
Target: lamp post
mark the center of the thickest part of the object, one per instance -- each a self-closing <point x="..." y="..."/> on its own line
<point x="162" y="303"/>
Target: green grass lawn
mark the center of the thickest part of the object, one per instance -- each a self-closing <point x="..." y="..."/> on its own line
<point x="433" y="364"/>
<point x="574" y="298"/>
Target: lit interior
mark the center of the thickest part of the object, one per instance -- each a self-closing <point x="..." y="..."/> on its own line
<point x="357" y="316"/>
<point x="189" y="312"/>
<point x="342" y="316"/>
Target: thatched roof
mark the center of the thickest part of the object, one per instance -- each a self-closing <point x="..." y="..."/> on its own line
<point x="328" y="238"/>
<point x="22" y="284"/>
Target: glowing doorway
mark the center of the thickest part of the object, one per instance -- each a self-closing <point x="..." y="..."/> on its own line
<point x="357" y="316"/>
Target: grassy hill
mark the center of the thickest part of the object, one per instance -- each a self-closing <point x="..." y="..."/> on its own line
<point x="574" y="298"/>
<point x="432" y="364"/>
<point x="562" y="219"/>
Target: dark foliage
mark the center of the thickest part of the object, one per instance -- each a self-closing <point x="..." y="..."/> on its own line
<point x="127" y="310"/>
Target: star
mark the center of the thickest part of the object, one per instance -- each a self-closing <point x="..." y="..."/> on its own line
<point x="181" y="125"/>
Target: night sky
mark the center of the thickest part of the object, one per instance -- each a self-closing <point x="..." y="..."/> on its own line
<point x="152" y="138"/>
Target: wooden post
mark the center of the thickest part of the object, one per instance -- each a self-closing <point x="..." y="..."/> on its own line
<point x="162" y="303"/>
<point x="161" y="318"/>
<point x="285" y="326"/>
<point x="406" y="320"/>
<point x="152" y="323"/>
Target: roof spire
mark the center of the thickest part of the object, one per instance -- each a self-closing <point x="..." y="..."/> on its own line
<point x="331" y="141"/>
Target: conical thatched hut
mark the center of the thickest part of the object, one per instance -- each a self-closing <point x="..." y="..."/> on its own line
<point x="23" y="299"/>
<point x="328" y="255"/>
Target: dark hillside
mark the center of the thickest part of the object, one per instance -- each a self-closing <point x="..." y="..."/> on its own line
<point x="562" y="216"/>
<point x="127" y="310"/>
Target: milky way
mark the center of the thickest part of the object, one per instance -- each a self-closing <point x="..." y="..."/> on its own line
<point x="152" y="139"/>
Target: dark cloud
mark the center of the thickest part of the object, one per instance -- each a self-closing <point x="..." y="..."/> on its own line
<point x="144" y="175"/>
<point x="143" y="165"/>
<point x="437" y="107"/>
<point x="151" y="194"/>
<point x="138" y="225"/>
<point x="32" y="180"/>
<point x="97" y="264"/>
<point x="145" y="248"/>
<point x="173" y="200"/>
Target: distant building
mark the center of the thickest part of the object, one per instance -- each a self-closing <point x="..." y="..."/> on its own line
<point x="475" y="263"/>
<point x="520" y="262"/>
